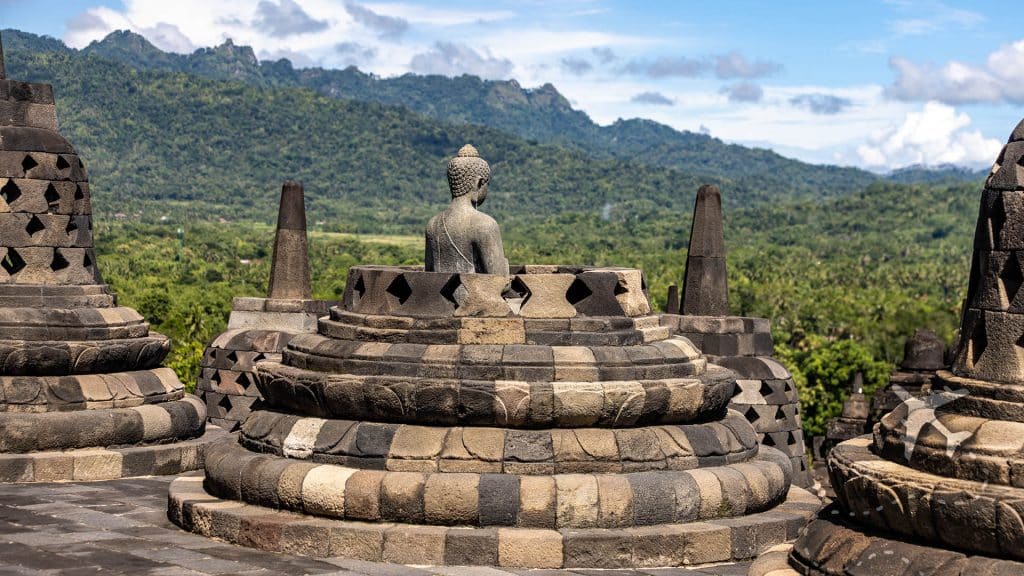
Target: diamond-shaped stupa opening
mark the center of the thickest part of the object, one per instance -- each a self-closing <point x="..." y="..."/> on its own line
<point x="1010" y="279"/>
<point x="12" y="262"/>
<point x="578" y="291"/>
<point x="10" y="192"/>
<point x="450" y="291"/>
<point x="400" y="289"/>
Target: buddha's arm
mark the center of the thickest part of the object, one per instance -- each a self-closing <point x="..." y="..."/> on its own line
<point x="492" y="252"/>
<point x="428" y="257"/>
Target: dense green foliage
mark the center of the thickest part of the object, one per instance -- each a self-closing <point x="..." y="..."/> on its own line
<point x="845" y="281"/>
<point x="845" y="264"/>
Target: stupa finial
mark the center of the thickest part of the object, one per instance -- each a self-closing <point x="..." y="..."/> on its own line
<point x="705" y="288"/>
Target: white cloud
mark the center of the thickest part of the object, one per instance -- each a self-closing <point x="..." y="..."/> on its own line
<point x="438" y="16"/>
<point x="451" y="59"/>
<point x="937" y="134"/>
<point x="1000" y="79"/>
<point x="938" y="18"/>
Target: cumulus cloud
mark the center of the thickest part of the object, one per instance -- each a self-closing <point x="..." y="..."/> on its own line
<point x="656" y="98"/>
<point x="452" y="59"/>
<point x="97" y="23"/>
<point x="386" y="27"/>
<point x="825" y="104"/>
<point x="604" y="54"/>
<point x="577" y="66"/>
<point x="743" y="92"/>
<point x="298" y="59"/>
<point x="937" y="134"/>
<point x="725" y="66"/>
<point x="667" y="67"/>
<point x="286" y="18"/>
<point x="1000" y="79"/>
<point x="735" y="65"/>
<point x="354" y="53"/>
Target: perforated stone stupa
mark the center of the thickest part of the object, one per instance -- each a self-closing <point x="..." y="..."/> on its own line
<point x="259" y="328"/>
<point x="541" y="419"/>
<point x="938" y="488"/>
<point x="82" y="392"/>
<point x="765" y="392"/>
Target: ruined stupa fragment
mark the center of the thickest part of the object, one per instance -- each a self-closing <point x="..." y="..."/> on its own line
<point x="937" y="488"/>
<point x="259" y="328"/>
<point x="765" y="393"/>
<point x="923" y="355"/>
<point x="82" y="393"/>
<point x="441" y="418"/>
<point x="853" y="420"/>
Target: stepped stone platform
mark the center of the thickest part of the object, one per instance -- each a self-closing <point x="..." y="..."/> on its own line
<point x="544" y="419"/>
<point x="82" y="392"/>
<point x="259" y="328"/>
<point x="937" y="488"/>
<point x="765" y="392"/>
<point x="121" y="527"/>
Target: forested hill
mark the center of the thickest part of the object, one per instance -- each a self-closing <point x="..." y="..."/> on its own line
<point x="540" y="115"/>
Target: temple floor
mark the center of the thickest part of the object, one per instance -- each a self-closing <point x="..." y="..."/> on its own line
<point x="121" y="527"/>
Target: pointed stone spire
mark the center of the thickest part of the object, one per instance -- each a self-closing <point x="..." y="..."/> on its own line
<point x="991" y="345"/>
<point x="289" y="273"/>
<point x="705" y="287"/>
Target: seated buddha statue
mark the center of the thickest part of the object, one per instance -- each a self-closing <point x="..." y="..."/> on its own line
<point x="461" y="239"/>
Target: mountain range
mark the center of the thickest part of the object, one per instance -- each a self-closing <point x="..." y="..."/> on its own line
<point x="217" y="126"/>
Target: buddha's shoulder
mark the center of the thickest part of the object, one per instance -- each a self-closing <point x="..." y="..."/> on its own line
<point x="483" y="221"/>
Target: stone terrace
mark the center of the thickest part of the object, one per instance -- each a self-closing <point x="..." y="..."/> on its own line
<point x="121" y="527"/>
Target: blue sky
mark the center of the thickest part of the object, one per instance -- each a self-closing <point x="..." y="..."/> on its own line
<point x="877" y="84"/>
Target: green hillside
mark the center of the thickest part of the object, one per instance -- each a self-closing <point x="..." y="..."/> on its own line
<point x="540" y="115"/>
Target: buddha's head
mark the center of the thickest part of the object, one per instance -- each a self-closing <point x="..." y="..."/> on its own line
<point x="468" y="173"/>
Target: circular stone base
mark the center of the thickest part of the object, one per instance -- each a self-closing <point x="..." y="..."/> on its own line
<point x="742" y="538"/>
<point x="831" y="546"/>
<point x="93" y="464"/>
<point x="773" y="562"/>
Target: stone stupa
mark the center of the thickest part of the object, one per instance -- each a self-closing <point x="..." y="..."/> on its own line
<point x="853" y="420"/>
<point x="923" y="355"/>
<point x="82" y="393"/>
<point x="765" y="392"/>
<point x="259" y="328"/>
<point x="539" y="419"/>
<point x="937" y="489"/>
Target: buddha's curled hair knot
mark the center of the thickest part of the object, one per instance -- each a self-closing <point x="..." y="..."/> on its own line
<point x="465" y="170"/>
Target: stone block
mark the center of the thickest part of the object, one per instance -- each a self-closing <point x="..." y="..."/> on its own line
<point x="451" y="499"/>
<point x="323" y="490"/>
<point x="547" y="296"/>
<point x="401" y="497"/>
<point x="538" y="497"/>
<point x="363" y="495"/>
<point x="499" y="497"/>
<point x="471" y="547"/>
<point x="527" y="548"/>
<point x="597" y="549"/>
<point x="492" y="331"/>
<point x="358" y="541"/>
<point x="577" y="497"/>
<point x="405" y="544"/>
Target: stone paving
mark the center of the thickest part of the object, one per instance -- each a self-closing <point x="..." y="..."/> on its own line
<point x="121" y="527"/>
